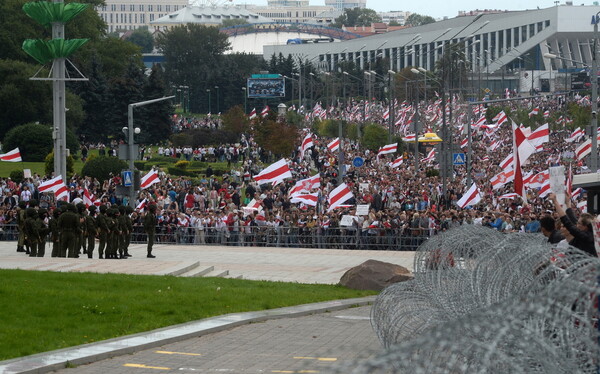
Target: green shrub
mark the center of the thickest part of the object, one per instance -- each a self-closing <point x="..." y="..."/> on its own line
<point x="140" y="165"/>
<point x="49" y="165"/>
<point x="17" y="176"/>
<point x="101" y="167"/>
<point x="35" y="141"/>
<point x="180" y="172"/>
<point x="182" y="164"/>
<point x="432" y="173"/>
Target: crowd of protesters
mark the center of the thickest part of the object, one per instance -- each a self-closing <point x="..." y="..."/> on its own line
<point x="406" y="205"/>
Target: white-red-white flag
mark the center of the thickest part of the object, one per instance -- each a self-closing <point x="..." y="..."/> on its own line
<point x="142" y="205"/>
<point x="305" y="185"/>
<point x="338" y="196"/>
<point x="583" y="150"/>
<point x="508" y="162"/>
<point x="307" y="142"/>
<point x="274" y="173"/>
<point x="51" y="184"/>
<point x="149" y="179"/>
<point x="12" y="156"/>
<point x="537" y="180"/>
<point x="88" y="198"/>
<point x="430" y="156"/>
<point x="500" y="118"/>
<point x="510" y="195"/>
<point x="575" y="135"/>
<point x="471" y="197"/>
<point x="521" y="151"/>
<point x="265" y="111"/>
<point x="409" y="138"/>
<point x="540" y="136"/>
<point x="334" y="145"/>
<point x="308" y="199"/>
<point x="386" y="149"/>
<point x="252" y="113"/>
<point x="502" y="178"/>
<point x="397" y="162"/>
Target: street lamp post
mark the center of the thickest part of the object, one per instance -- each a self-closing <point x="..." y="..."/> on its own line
<point x="217" y="88"/>
<point x="130" y="142"/>
<point x="594" y="81"/>
<point x="245" y="100"/>
<point x="208" y="90"/>
<point x="392" y="104"/>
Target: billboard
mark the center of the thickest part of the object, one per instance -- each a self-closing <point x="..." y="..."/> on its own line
<point x="266" y="87"/>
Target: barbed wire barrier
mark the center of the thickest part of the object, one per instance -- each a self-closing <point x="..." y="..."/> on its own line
<point x="486" y="302"/>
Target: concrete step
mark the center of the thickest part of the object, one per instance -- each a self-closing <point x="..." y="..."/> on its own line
<point x="217" y="273"/>
<point x="198" y="272"/>
<point x="181" y="268"/>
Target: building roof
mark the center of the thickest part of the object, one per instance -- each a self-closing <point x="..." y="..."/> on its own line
<point x="375" y="28"/>
<point x="211" y="15"/>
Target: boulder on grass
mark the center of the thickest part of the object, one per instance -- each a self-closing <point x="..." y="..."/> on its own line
<point x="374" y="275"/>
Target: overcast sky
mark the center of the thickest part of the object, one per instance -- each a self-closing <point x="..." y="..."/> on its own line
<point x="441" y="8"/>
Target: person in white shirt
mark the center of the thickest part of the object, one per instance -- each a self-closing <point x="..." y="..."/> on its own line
<point x="25" y="194"/>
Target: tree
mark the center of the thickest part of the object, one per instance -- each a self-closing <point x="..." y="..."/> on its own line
<point x="452" y="67"/>
<point x="374" y="136"/>
<point x="155" y="120"/>
<point x="102" y="167"/>
<point x="416" y="19"/>
<point x="142" y="38"/>
<point x="95" y="97"/>
<point x="193" y="57"/>
<point x="275" y="136"/>
<point x="234" y="22"/>
<point x="35" y="141"/>
<point x="124" y="90"/>
<point x="22" y="100"/>
<point x="236" y="121"/>
<point x="356" y="17"/>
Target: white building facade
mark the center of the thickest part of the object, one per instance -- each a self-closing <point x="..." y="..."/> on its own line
<point x="508" y="43"/>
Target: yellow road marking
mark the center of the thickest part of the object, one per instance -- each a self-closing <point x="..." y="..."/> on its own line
<point x="330" y="359"/>
<point x="141" y="366"/>
<point x="178" y="353"/>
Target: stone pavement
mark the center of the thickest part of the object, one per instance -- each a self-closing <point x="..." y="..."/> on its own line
<point x="310" y="344"/>
<point x="302" y="339"/>
<point x="303" y="265"/>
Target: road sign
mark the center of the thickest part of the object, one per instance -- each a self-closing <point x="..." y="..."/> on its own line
<point x="358" y="162"/>
<point x="458" y="159"/>
<point x="127" y="178"/>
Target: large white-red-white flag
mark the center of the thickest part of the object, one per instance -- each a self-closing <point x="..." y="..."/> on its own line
<point x="471" y="197"/>
<point x="334" y="145"/>
<point x="397" y="162"/>
<point x="522" y="150"/>
<point x="502" y="178"/>
<point x="307" y="142"/>
<point x="540" y="136"/>
<point x="305" y="185"/>
<point x="338" y="196"/>
<point x="56" y="185"/>
<point x="308" y="199"/>
<point x="583" y="150"/>
<point x="12" y="156"/>
<point x="51" y="184"/>
<point x="252" y="113"/>
<point x="274" y="173"/>
<point x="386" y="149"/>
<point x="149" y="179"/>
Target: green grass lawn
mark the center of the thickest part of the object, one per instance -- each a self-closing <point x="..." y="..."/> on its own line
<point x="43" y="311"/>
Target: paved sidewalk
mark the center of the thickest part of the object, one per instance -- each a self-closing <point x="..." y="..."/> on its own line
<point x="303" y="265"/>
<point x="308" y="338"/>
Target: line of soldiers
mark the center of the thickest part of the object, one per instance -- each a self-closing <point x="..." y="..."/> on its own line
<point x="73" y="230"/>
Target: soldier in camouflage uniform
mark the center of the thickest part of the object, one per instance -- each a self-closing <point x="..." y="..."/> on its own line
<point x="81" y="243"/>
<point x="150" y="227"/>
<point x="122" y="222"/>
<point x="102" y="224"/>
<point x="128" y="211"/>
<point x="42" y="216"/>
<point x="31" y="229"/>
<point x="69" y="226"/>
<point x="55" y="233"/>
<point x="91" y="230"/>
<point x="21" y="217"/>
<point x="113" y="232"/>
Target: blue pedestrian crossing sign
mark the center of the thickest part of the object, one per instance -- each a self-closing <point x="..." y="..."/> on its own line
<point x="458" y="159"/>
<point x="127" y="178"/>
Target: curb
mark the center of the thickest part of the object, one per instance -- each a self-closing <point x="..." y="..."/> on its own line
<point x="93" y="352"/>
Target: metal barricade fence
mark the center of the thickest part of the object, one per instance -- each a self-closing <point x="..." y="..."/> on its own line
<point x="268" y="236"/>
